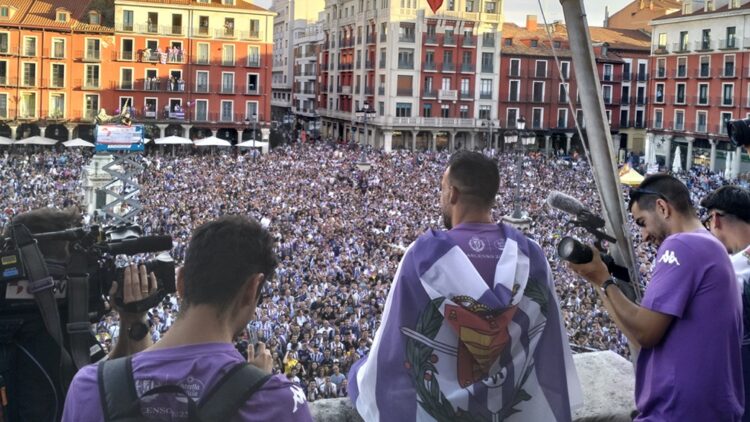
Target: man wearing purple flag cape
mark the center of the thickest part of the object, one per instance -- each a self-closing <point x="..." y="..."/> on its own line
<point x="471" y="328"/>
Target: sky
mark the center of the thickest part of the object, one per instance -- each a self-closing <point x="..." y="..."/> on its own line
<point x="516" y="10"/>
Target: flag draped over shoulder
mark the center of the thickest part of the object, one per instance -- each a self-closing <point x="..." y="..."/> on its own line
<point x="450" y="348"/>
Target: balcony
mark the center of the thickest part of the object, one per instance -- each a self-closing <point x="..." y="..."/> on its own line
<point x="250" y="35"/>
<point x="226" y="89"/>
<point x="370" y="65"/>
<point x="406" y="38"/>
<point x="448" y="95"/>
<point x="228" y="62"/>
<point x="381" y="64"/>
<point x="370" y="38"/>
<point x="202" y="88"/>
<point x="124" y="27"/>
<point x="466" y="95"/>
<point x="253" y="61"/>
<point x="488" y="42"/>
<point x="171" y="56"/>
<point x="661" y="49"/>
<point x="201" y="61"/>
<point x="124" y="85"/>
<point x="641" y="100"/>
<point x="27" y="82"/>
<point x="369" y="91"/>
<point x="728" y="44"/>
<point x="727" y="72"/>
<point x="383" y="38"/>
<point x="431" y="39"/>
<point x="449" y="40"/>
<point x="225" y="33"/>
<point x="202" y="31"/>
<point x="467" y="68"/>
<point x="680" y="47"/>
<point x="702" y="46"/>
<point x="5" y="81"/>
<point x="161" y="85"/>
<point x="381" y="90"/>
<point x="407" y="65"/>
<point x="701" y="128"/>
<point x="89" y="84"/>
<point x="469" y="41"/>
<point x="123" y="56"/>
<point x="625" y="100"/>
<point x="429" y="66"/>
<point x="642" y="77"/>
<point x="485" y="95"/>
<point x="404" y="92"/>
<point x="488" y="68"/>
<point x="628" y="76"/>
<point x="89" y="56"/>
<point x="449" y="67"/>
<point x="429" y="93"/>
<point x="703" y="72"/>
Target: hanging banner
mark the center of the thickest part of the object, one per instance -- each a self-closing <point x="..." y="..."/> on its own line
<point x="435" y="5"/>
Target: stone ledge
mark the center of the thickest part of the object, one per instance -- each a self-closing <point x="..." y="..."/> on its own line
<point x="607" y="380"/>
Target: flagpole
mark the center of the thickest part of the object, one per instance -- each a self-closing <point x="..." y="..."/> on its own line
<point x="602" y="154"/>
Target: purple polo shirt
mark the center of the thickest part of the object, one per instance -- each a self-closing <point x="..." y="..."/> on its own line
<point x="695" y="372"/>
<point x="196" y="368"/>
<point x="483" y="244"/>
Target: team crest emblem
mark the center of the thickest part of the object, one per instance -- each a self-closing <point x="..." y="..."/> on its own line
<point x="476" y="244"/>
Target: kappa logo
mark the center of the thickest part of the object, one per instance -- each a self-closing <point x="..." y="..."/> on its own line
<point x="476" y="244"/>
<point x="669" y="258"/>
<point x="298" y="395"/>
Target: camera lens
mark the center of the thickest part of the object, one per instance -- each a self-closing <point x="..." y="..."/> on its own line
<point x="739" y="132"/>
<point x="570" y="249"/>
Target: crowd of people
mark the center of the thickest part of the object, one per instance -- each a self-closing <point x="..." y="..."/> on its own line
<point x="340" y="233"/>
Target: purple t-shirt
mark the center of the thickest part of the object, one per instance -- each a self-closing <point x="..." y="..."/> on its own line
<point x="695" y="372"/>
<point x="196" y="368"/>
<point x="483" y="244"/>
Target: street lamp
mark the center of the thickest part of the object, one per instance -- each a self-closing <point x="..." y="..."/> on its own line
<point x="363" y="164"/>
<point x="520" y="138"/>
<point x="491" y="124"/>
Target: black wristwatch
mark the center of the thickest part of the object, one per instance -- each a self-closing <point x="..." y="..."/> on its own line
<point x="137" y="331"/>
<point x="608" y="282"/>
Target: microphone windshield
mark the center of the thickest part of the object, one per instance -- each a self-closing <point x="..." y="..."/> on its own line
<point x="565" y="203"/>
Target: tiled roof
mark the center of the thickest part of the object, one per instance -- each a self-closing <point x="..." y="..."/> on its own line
<point x="43" y="13"/>
<point x="238" y="4"/>
<point x="625" y="39"/>
<point x="21" y="6"/>
<point x="698" y="11"/>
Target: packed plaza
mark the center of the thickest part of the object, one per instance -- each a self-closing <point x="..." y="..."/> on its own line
<point x="340" y="234"/>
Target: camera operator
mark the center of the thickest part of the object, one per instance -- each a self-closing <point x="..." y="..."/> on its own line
<point x="30" y="358"/>
<point x="729" y="220"/>
<point x="227" y="263"/>
<point x="688" y="324"/>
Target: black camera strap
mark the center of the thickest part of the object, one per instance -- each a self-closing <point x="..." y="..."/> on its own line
<point x="41" y="285"/>
<point x="79" y="328"/>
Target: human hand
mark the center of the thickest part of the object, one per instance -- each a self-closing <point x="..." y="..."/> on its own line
<point x="136" y="286"/>
<point x="262" y="359"/>
<point x="595" y="272"/>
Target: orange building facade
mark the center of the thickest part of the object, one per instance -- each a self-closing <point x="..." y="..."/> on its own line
<point x="189" y="68"/>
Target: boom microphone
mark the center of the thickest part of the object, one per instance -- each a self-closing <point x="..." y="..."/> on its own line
<point x="140" y="245"/>
<point x="573" y="206"/>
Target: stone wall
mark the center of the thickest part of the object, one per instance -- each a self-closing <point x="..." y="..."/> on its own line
<point x="607" y="380"/>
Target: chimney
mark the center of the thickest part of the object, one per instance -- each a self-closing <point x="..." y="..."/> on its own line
<point x="531" y="24"/>
<point x="606" y="16"/>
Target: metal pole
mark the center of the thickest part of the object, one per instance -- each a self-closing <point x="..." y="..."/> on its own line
<point x="519" y="174"/>
<point x="492" y="141"/>
<point x="600" y="141"/>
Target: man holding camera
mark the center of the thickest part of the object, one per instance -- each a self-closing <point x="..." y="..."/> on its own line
<point x="31" y="360"/>
<point x="729" y="220"/>
<point x="226" y="265"/>
<point x="688" y="325"/>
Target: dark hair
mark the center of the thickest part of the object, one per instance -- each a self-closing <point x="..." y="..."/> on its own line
<point x="662" y="186"/>
<point x="732" y="200"/>
<point x="475" y="175"/>
<point x="43" y="220"/>
<point x="222" y="256"/>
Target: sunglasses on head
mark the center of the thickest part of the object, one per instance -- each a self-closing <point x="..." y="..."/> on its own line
<point x="636" y="193"/>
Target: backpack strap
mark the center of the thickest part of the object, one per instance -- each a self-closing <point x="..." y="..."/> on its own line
<point x="117" y="390"/>
<point x="231" y="392"/>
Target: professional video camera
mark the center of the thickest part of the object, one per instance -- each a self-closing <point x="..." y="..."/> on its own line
<point x="93" y="253"/>
<point x="739" y="132"/>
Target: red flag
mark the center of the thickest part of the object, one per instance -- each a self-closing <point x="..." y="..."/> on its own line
<point x="435" y="5"/>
